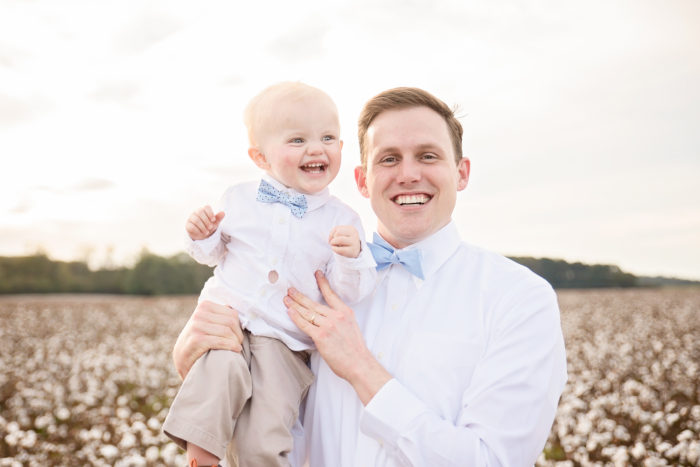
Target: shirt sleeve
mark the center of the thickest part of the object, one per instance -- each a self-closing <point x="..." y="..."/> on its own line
<point x="353" y="279"/>
<point x="507" y="409"/>
<point x="209" y="251"/>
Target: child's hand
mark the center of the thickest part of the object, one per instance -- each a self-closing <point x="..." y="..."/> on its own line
<point x="345" y="241"/>
<point x="202" y="223"/>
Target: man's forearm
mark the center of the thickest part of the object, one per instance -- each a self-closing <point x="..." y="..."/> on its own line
<point x="368" y="378"/>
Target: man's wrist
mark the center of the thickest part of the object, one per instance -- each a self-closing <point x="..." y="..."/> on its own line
<point x="369" y="377"/>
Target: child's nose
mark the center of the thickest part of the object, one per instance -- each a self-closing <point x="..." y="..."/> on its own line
<point x="315" y="147"/>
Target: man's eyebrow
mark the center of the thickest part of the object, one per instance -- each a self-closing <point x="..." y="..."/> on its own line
<point x="430" y="147"/>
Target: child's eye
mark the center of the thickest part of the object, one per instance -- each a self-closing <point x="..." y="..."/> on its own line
<point x="296" y="140"/>
<point x="328" y="138"/>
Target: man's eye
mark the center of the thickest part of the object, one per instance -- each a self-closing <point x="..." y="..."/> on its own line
<point x="387" y="160"/>
<point x="429" y="155"/>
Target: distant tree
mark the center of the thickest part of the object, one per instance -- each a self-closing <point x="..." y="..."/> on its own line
<point x="156" y="275"/>
<point x="561" y="274"/>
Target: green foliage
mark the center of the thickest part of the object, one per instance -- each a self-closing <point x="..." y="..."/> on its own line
<point x="564" y="275"/>
<point x="179" y="274"/>
<point x="156" y="275"/>
<point x="151" y="275"/>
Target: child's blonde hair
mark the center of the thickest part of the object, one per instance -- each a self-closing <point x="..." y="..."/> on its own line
<point x="262" y="107"/>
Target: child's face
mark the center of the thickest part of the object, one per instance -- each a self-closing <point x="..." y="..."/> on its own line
<point x="301" y="144"/>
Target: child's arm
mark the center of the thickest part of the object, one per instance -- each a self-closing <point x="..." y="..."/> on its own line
<point x="203" y="245"/>
<point x="352" y="270"/>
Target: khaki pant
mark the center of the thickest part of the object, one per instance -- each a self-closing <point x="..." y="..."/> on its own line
<point x="250" y="397"/>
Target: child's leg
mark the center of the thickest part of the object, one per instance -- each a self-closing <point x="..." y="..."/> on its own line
<point x="281" y="379"/>
<point x="204" y="412"/>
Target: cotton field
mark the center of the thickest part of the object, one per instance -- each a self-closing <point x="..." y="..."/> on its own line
<point x="86" y="380"/>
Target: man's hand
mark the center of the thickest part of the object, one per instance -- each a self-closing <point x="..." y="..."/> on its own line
<point x="203" y="222"/>
<point x="210" y="326"/>
<point x="345" y="241"/>
<point x="338" y="338"/>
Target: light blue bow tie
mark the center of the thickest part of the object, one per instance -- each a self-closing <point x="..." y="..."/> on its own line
<point x="385" y="255"/>
<point x="269" y="194"/>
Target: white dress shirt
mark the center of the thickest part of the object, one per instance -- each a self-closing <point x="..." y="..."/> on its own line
<point x="477" y="357"/>
<point x="261" y="249"/>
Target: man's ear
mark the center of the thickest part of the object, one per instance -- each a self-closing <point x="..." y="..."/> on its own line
<point x="361" y="181"/>
<point x="463" y="173"/>
<point x="259" y="158"/>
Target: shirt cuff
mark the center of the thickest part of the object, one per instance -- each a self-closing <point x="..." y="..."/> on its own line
<point x="205" y="246"/>
<point x="364" y="260"/>
<point x="392" y="411"/>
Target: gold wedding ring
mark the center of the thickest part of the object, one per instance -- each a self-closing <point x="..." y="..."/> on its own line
<point x="313" y="317"/>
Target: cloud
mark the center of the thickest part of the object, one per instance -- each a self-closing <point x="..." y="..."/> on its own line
<point x="92" y="184"/>
<point x="303" y="43"/>
<point x="10" y="56"/>
<point x="121" y="92"/>
<point x="14" y="110"/>
<point x="146" y="31"/>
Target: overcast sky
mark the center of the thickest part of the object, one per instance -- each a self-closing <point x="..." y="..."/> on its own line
<point x="582" y="119"/>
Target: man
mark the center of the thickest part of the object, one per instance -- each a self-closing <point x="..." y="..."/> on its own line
<point x="458" y="357"/>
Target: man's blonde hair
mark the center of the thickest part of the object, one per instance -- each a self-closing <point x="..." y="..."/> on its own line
<point x="403" y="98"/>
<point x="263" y="106"/>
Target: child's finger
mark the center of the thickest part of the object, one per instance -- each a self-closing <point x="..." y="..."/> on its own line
<point x="209" y="213"/>
<point x="205" y="221"/>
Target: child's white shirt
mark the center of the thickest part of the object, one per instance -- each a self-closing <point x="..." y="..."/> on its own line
<point x="258" y="242"/>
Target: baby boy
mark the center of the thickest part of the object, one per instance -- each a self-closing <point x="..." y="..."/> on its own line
<point x="271" y="234"/>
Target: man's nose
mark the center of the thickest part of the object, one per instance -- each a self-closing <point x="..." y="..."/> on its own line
<point x="409" y="171"/>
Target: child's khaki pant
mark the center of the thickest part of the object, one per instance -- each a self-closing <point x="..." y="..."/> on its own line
<point x="251" y="397"/>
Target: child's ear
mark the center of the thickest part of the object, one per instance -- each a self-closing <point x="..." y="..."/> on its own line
<point x="259" y="158"/>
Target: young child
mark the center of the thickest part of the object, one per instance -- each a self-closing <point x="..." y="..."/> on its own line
<point x="271" y="235"/>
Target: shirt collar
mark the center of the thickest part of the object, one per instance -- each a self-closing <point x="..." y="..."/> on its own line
<point x="436" y="250"/>
<point x="313" y="201"/>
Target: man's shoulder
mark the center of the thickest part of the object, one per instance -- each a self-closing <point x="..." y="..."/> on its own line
<point x="498" y="270"/>
<point x="507" y="288"/>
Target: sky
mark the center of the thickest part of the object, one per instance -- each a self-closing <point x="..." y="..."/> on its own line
<point x="581" y="118"/>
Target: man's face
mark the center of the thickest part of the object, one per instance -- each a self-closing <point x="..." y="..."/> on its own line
<point x="411" y="176"/>
<point x="300" y="146"/>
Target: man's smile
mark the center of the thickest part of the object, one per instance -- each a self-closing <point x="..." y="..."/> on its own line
<point x="412" y="200"/>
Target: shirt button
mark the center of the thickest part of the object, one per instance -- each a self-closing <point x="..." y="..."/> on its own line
<point x="281" y="220"/>
<point x="380" y="355"/>
<point x="261" y="292"/>
<point x="394" y="307"/>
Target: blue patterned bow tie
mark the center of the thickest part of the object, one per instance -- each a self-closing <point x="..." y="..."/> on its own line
<point x="385" y="255"/>
<point x="269" y="194"/>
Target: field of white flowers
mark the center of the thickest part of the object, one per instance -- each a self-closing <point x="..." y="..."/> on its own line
<point x="86" y="380"/>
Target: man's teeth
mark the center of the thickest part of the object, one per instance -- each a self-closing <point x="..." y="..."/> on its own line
<point x="412" y="199"/>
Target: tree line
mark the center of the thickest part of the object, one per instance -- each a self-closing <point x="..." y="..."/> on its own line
<point x="179" y="274"/>
<point x="151" y="275"/>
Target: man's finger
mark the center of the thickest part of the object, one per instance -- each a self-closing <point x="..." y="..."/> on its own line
<point x="328" y="294"/>
<point x="301" y="323"/>
<point x="304" y="304"/>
